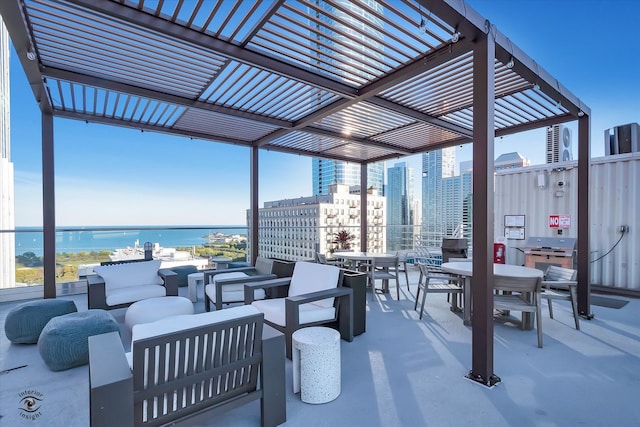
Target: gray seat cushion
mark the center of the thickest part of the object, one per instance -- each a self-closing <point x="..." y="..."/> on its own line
<point x="183" y="271"/>
<point x="64" y="341"/>
<point x="24" y="323"/>
<point x="238" y="264"/>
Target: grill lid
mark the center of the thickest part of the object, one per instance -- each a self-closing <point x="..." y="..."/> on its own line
<point x="550" y="244"/>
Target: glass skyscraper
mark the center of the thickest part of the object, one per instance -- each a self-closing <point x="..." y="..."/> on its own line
<point x="445" y="197"/>
<point x="399" y="207"/>
<point x="337" y="47"/>
<point x="327" y="172"/>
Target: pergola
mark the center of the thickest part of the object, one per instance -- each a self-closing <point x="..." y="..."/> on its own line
<point x="358" y="81"/>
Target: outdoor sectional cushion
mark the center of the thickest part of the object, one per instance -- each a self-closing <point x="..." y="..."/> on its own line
<point x="64" y="341"/>
<point x="129" y="274"/>
<point x="311" y="277"/>
<point x="135" y="293"/>
<point x="24" y="323"/>
<point x="274" y="311"/>
<point x="125" y="283"/>
<point x="233" y="292"/>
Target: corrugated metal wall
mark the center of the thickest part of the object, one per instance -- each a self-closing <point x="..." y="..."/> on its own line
<point x="614" y="201"/>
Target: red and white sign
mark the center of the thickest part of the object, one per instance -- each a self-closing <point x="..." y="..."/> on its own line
<point x="560" y="221"/>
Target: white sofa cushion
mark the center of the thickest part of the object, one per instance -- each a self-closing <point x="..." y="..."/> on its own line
<point x="230" y="293"/>
<point x="312" y="277"/>
<point x="273" y="310"/>
<point x="151" y="309"/>
<point x="186" y="321"/>
<point x="118" y="276"/>
<point x="134" y="293"/>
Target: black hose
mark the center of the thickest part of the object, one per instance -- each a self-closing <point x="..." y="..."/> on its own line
<point x="609" y="251"/>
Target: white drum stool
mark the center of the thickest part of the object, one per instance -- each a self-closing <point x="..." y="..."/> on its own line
<point x="316" y="364"/>
<point x="152" y="309"/>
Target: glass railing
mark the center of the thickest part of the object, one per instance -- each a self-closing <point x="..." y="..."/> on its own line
<point x="78" y="250"/>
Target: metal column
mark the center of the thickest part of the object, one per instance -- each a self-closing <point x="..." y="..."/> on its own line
<point x="48" y="207"/>
<point x="253" y="231"/>
<point x="584" y="166"/>
<point x="483" y="155"/>
<point x="363" y="207"/>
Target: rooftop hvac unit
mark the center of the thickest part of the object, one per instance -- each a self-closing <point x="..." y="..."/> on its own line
<point x="559" y="144"/>
<point x="622" y="139"/>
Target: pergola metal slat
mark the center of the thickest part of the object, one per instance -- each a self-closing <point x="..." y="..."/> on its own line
<point x="145" y="38"/>
<point x="356" y="140"/>
<point x="230" y="90"/>
<point x="434" y="19"/>
<point x="369" y="46"/>
<point x="401" y="57"/>
<point x="224" y="48"/>
<point x="420" y="43"/>
<point x="92" y="81"/>
<point x="289" y="41"/>
<point x="267" y="43"/>
<point x="105" y="67"/>
<point x="102" y="39"/>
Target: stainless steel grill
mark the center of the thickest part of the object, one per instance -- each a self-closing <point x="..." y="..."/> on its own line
<point x="454" y="248"/>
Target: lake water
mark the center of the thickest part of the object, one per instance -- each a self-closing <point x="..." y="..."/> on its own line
<point x="110" y="238"/>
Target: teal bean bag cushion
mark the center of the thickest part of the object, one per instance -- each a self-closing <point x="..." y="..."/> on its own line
<point x="64" y="341"/>
<point x="24" y="322"/>
<point x="183" y="271"/>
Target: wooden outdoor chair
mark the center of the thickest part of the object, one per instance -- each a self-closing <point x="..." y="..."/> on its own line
<point x="560" y="284"/>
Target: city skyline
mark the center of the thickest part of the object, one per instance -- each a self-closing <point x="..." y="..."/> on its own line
<point x="209" y="182"/>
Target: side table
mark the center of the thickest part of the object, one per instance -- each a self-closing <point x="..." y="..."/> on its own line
<point x="193" y="280"/>
<point x="219" y="263"/>
<point x="316" y="364"/>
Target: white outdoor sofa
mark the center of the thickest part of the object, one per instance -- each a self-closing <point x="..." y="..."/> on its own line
<point x="119" y="284"/>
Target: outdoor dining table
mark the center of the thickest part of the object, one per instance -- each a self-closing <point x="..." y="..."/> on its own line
<point x="465" y="269"/>
<point x="364" y="258"/>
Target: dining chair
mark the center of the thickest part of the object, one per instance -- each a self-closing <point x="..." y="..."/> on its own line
<point x="519" y="294"/>
<point x="383" y="268"/>
<point x="560" y="284"/>
<point x="402" y="265"/>
<point x="322" y="259"/>
<point x="436" y="282"/>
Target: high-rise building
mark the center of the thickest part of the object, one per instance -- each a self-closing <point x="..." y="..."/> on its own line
<point x="399" y="193"/>
<point x="7" y="210"/>
<point x="328" y="172"/>
<point x="443" y="197"/>
<point x="342" y="55"/>
<point x="294" y="229"/>
<point x="510" y="161"/>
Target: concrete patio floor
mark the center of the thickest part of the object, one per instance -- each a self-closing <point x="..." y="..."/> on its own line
<point x="408" y="372"/>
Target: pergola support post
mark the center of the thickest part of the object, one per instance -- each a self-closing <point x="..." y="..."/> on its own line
<point x="583" y="254"/>
<point x="48" y="207"/>
<point x="363" y="207"/>
<point x="253" y="213"/>
<point x="483" y="160"/>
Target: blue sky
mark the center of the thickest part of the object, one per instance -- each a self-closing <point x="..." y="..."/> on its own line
<point x="590" y="46"/>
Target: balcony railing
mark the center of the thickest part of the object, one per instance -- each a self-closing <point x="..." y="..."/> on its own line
<point x="79" y="249"/>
